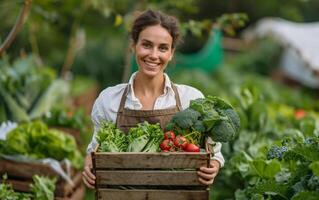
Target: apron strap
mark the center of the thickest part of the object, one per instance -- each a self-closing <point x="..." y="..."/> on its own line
<point x="177" y="98"/>
<point x="123" y="99"/>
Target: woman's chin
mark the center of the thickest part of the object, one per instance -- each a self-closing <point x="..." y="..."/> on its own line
<point x="151" y="73"/>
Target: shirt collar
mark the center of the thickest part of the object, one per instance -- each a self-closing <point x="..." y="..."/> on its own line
<point x="167" y="86"/>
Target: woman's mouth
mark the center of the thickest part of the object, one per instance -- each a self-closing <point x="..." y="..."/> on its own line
<point x="151" y="64"/>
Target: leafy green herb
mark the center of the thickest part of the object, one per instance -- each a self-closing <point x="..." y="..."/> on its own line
<point x="143" y="138"/>
<point x="111" y="139"/>
<point x="43" y="188"/>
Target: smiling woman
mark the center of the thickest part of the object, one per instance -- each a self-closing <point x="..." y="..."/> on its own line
<point x="149" y="95"/>
<point x="153" y="50"/>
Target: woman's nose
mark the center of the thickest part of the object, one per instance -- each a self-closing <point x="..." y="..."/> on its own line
<point x="154" y="54"/>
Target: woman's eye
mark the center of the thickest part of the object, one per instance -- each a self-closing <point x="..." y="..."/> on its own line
<point x="163" y="48"/>
<point x="146" y="45"/>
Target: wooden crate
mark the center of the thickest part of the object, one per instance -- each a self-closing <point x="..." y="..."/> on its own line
<point x="151" y="176"/>
<point x="20" y="176"/>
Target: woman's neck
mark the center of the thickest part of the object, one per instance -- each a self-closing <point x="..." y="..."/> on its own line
<point x="148" y="87"/>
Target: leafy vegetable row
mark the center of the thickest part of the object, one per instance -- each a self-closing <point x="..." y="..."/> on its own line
<point x="36" y="140"/>
<point x="143" y="138"/>
<point x="42" y="189"/>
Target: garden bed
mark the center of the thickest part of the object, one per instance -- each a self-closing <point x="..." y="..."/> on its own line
<point x="20" y="176"/>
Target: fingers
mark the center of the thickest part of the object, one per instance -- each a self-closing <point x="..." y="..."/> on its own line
<point x="88" y="172"/>
<point x="209" y="170"/>
<point x="214" y="163"/>
<point x="87" y="183"/>
<point x="206" y="176"/>
<point x="88" y="178"/>
<point x="206" y="182"/>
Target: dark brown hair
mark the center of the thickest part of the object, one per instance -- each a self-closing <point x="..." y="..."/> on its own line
<point x="152" y="18"/>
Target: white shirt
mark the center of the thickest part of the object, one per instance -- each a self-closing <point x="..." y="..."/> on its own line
<point x="106" y="106"/>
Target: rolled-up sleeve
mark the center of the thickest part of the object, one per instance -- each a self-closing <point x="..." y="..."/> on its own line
<point x="215" y="148"/>
<point x="96" y="118"/>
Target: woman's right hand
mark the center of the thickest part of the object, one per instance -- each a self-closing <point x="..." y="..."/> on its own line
<point x="87" y="175"/>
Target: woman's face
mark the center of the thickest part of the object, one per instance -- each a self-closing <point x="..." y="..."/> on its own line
<point x="153" y="50"/>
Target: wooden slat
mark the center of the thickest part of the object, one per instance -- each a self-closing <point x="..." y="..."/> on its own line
<point x="21" y="186"/>
<point x="25" y="170"/>
<point x="149" y="160"/>
<point x="151" y="177"/>
<point x="62" y="188"/>
<point x="113" y="194"/>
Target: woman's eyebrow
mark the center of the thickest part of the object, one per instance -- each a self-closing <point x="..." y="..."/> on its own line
<point x="146" y="40"/>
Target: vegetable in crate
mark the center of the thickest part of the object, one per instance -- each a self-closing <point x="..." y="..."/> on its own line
<point x="211" y="116"/>
<point x="111" y="139"/>
<point x="177" y="143"/>
<point x="143" y="138"/>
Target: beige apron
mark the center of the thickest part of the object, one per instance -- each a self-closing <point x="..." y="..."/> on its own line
<point x="127" y="118"/>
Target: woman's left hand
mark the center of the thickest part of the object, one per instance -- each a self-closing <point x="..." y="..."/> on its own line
<point x="206" y="175"/>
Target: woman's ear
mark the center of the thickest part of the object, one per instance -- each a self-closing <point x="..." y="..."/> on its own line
<point x="132" y="47"/>
<point x="172" y="55"/>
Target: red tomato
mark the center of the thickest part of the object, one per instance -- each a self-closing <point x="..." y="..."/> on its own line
<point x="300" y="113"/>
<point x="180" y="141"/>
<point x="170" y="135"/>
<point x="192" y="148"/>
<point x="166" y="145"/>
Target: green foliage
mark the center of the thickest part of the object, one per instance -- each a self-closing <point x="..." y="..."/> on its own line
<point x="19" y="102"/>
<point x="65" y="117"/>
<point x="230" y="22"/>
<point x="276" y="152"/>
<point x="186" y="119"/>
<point x="211" y="116"/>
<point x="270" y="187"/>
<point x="309" y="195"/>
<point x="265" y="169"/>
<point x="7" y="193"/>
<point x="267" y="114"/>
<point x="219" y="118"/>
<point x="313" y="183"/>
<point x="261" y="59"/>
<point x="111" y="139"/>
<point x="287" y="175"/>
<point x="144" y="137"/>
<point x="42" y="189"/>
<point x="37" y="141"/>
<point x="315" y="167"/>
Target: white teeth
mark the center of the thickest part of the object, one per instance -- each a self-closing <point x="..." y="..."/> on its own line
<point x="151" y="64"/>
